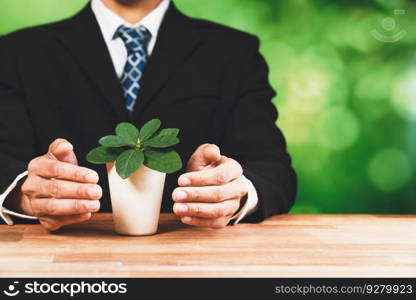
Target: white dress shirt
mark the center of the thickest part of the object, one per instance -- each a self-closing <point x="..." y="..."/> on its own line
<point x="109" y="22"/>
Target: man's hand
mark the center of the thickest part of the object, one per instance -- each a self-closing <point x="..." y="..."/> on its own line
<point x="57" y="190"/>
<point x="210" y="193"/>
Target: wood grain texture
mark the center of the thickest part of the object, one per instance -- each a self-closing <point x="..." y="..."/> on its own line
<point x="282" y="246"/>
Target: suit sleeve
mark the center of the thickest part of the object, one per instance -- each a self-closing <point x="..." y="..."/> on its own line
<point x="253" y="139"/>
<point x="16" y="131"/>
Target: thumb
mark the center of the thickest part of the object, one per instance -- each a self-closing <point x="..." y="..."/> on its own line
<point x="63" y="150"/>
<point x="203" y="156"/>
<point x="211" y="154"/>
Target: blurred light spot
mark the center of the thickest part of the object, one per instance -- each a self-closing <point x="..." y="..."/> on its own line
<point x="404" y="97"/>
<point x="296" y="125"/>
<point x="311" y="167"/>
<point x="373" y="92"/>
<point x="308" y="89"/>
<point x="324" y="55"/>
<point x="313" y="79"/>
<point x="390" y="170"/>
<point x="357" y="27"/>
<point x="337" y="128"/>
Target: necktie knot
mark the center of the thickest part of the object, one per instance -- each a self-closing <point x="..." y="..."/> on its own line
<point x="135" y="39"/>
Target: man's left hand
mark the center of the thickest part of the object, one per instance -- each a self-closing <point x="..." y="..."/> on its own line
<point x="210" y="193"/>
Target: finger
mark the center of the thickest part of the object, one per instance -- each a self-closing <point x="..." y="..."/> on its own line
<point x="62" y="189"/>
<point x="210" y="223"/>
<point x="62" y="150"/>
<point x="214" y="193"/>
<point x="59" y="207"/>
<point x="226" y="171"/>
<point x="207" y="210"/>
<point x="51" y="168"/>
<point x="205" y="155"/>
<point x="211" y="153"/>
<point x="56" y="222"/>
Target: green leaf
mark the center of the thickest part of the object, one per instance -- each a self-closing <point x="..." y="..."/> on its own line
<point x="161" y="141"/>
<point x="165" y="138"/>
<point x="149" y="129"/>
<point x="113" y="141"/>
<point x="169" y="131"/>
<point x="163" y="161"/>
<point x="128" y="162"/>
<point x="102" y="155"/>
<point x="128" y="131"/>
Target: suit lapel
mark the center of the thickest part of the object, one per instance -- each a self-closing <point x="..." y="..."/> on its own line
<point x="175" y="43"/>
<point x="82" y="36"/>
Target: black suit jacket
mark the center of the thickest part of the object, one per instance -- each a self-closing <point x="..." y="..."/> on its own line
<point x="58" y="81"/>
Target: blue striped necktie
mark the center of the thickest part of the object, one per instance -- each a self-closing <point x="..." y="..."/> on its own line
<point x="136" y="41"/>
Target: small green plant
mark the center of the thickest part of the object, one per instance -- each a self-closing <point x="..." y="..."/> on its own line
<point x="131" y="147"/>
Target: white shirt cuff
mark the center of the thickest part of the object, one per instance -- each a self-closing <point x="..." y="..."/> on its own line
<point x="251" y="204"/>
<point x="6" y="213"/>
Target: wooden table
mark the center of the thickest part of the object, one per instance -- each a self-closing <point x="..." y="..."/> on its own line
<point x="282" y="246"/>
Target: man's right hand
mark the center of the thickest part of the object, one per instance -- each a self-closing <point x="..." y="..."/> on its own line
<point x="57" y="190"/>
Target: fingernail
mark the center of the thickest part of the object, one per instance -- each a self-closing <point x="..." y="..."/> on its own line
<point x="184" y="181"/>
<point x="186" y="219"/>
<point x="92" y="205"/>
<point x="214" y="151"/>
<point x="94" y="191"/>
<point x="65" y="146"/>
<point x="86" y="216"/>
<point x="91" y="177"/>
<point x="181" y="208"/>
<point x="180" y="195"/>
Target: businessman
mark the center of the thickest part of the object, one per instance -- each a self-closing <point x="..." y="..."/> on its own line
<point x="64" y="85"/>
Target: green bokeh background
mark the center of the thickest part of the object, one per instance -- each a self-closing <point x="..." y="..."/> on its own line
<point x="347" y="99"/>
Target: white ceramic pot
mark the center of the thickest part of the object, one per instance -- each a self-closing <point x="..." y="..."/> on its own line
<point x="136" y="200"/>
